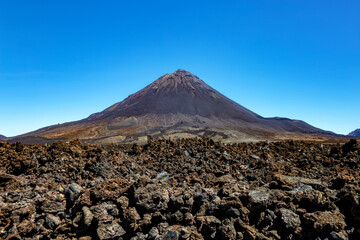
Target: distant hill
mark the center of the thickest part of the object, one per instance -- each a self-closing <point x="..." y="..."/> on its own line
<point x="355" y="133"/>
<point x="2" y="137"/>
<point x="176" y="105"/>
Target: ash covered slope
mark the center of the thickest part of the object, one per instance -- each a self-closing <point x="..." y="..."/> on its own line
<point x="177" y="102"/>
<point x="355" y="133"/>
<point x="181" y="92"/>
<point x="178" y="92"/>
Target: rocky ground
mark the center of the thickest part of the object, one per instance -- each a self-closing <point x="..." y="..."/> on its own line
<point x="181" y="189"/>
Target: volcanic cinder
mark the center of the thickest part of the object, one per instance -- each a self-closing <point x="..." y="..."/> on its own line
<point x="178" y="104"/>
<point x="180" y="189"/>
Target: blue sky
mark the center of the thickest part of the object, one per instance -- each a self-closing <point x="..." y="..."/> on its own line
<point x="64" y="60"/>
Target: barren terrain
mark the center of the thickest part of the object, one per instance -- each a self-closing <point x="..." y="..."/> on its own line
<point x="180" y="189"/>
<point x="175" y="104"/>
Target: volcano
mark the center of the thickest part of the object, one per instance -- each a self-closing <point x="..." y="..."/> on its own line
<point x="177" y="104"/>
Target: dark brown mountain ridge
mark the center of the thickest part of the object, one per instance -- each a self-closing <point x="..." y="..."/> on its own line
<point x="177" y="104"/>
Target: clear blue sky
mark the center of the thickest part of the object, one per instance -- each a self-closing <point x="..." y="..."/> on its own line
<point x="64" y="60"/>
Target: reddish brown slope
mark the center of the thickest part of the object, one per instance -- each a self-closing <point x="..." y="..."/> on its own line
<point x="176" y="103"/>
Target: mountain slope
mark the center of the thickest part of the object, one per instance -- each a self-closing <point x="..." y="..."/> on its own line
<point x="2" y="137"/>
<point x="355" y="133"/>
<point x="176" y="104"/>
<point x="178" y="92"/>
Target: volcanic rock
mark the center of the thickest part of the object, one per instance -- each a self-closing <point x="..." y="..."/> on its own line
<point x="329" y="221"/>
<point x="295" y="194"/>
<point x="289" y="218"/>
<point x="52" y="221"/>
<point x="110" y="231"/>
<point x="88" y="216"/>
<point x="171" y="235"/>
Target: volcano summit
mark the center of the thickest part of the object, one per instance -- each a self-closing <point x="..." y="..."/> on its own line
<point x="178" y="104"/>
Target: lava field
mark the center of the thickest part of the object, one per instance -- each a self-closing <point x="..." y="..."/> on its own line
<point x="180" y="189"/>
